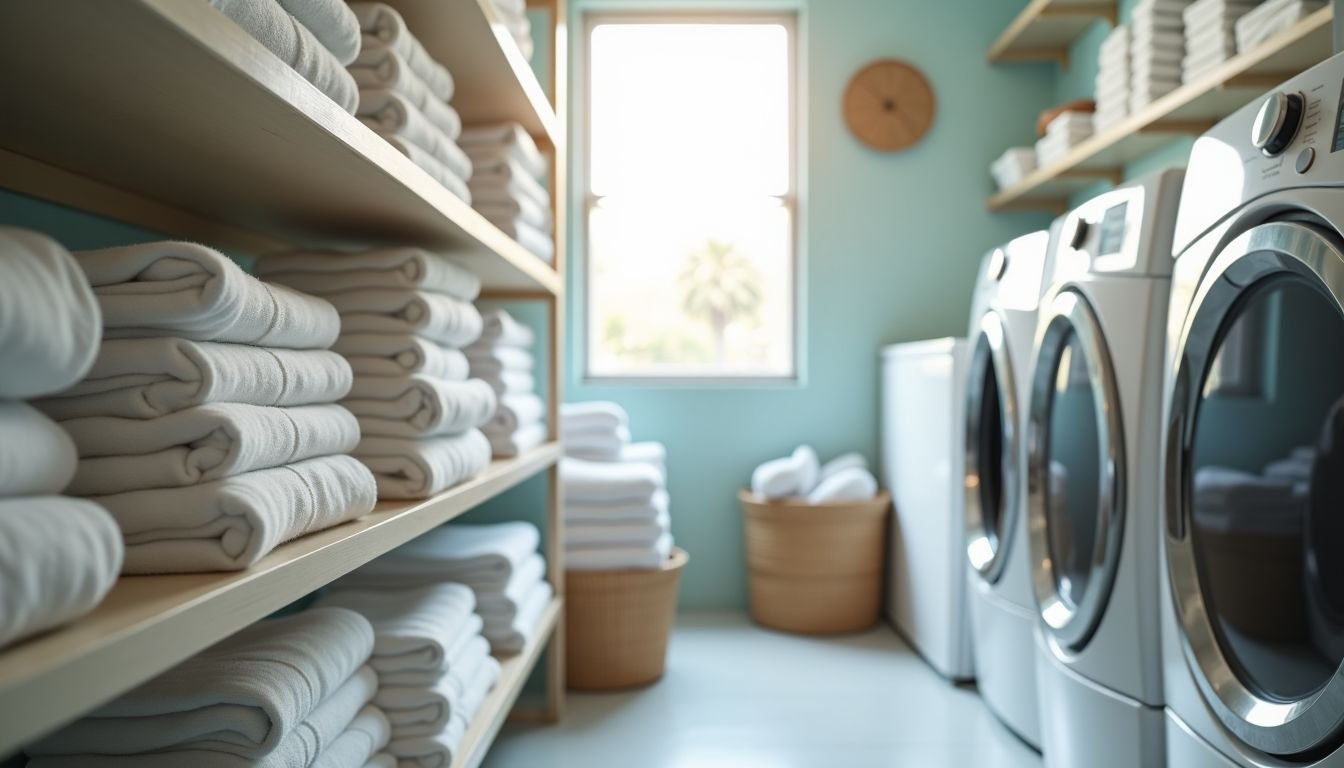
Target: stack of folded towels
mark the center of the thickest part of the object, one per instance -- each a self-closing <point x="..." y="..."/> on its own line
<point x="283" y="693"/>
<point x="514" y="15"/>
<point x="1270" y="18"/>
<point x="616" y="505"/>
<point x="1013" y="165"/>
<point x="404" y="95"/>
<point x="801" y="476"/>
<point x="1157" y="47"/>
<point x="434" y="667"/>
<point x="405" y="315"/>
<point x="1112" y="84"/>
<point x="506" y="185"/>
<point x="499" y="562"/>
<point x="207" y="424"/>
<point x="59" y="556"/>
<point x="1210" y="39"/>
<point x="316" y="38"/>
<point x="502" y="357"/>
<point x="1065" y="132"/>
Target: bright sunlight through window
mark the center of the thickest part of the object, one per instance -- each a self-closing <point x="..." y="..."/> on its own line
<point x="691" y="200"/>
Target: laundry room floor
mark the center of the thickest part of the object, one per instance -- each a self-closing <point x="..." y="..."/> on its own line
<point x="738" y="696"/>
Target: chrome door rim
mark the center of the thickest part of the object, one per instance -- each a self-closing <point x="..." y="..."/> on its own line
<point x="1072" y="627"/>
<point x="991" y="349"/>
<point x="1278" y="249"/>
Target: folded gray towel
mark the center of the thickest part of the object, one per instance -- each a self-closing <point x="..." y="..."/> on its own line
<point x="37" y="457"/>
<point x="453" y="181"/>
<point x="401" y="354"/>
<point x="400" y="118"/>
<point x="388" y="111"/>
<point x="324" y="273"/>
<point x="382" y="23"/>
<point x="331" y="22"/>
<point x="416" y="469"/>
<point x="501" y="141"/>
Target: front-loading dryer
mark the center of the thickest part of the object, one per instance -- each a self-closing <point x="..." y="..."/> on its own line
<point x="1003" y="320"/>
<point x="1092" y="442"/>
<point x="1253" y="450"/>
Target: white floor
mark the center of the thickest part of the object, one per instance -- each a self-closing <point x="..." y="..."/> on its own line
<point x="737" y="696"/>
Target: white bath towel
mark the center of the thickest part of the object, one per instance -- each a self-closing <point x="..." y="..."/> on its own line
<point x="242" y="696"/>
<point x="386" y="111"/>
<point x="415" y="629"/>
<point x="793" y="475"/>
<point x="440" y="750"/>
<point x="503" y="181"/>
<point x="592" y="415"/>
<point x="387" y="268"/>
<point x="381" y="66"/>
<point x="534" y="240"/>
<point x="37" y="458"/>
<point x="608" y="481"/>
<point x="232" y="523"/>
<point x="436" y="168"/>
<point x="515" y="412"/>
<point x="466" y="631"/>
<point x="401" y="354"/>
<point x="840" y="463"/>
<point x="499" y="328"/>
<point x="383" y="26"/>
<point x="647" y="452"/>
<point x="493" y="358"/>
<point x="1271" y="18"/>
<point x="358" y="746"/>
<point x="502" y="141"/>
<point x="483" y="556"/>
<point x="514" y="637"/>
<point x="848" y="484"/>
<point x="427" y="710"/>
<point x="281" y="34"/>
<point x="202" y="444"/>
<point x="617" y="533"/>
<point x="417" y="469"/>
<point x="496" y="606"/>
<point x="419" y="406"/>
<point x="145" y="378"/>
<point x="511" y="383"/>
<point x="434" y="316"/>
<point x="58" y="558"/>
<point x="507" y="444"/>
<point x="618" y="558"/>
<point x="596" y="445"/>
<point x="331" y="22"/>
<point x="50" y="324"/>
<point x="519" y="208"/>
<point x="645" y="511"/>
<point x="194" y="292"/>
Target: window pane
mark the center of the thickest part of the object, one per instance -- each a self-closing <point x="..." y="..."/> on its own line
<point x="690" y="292"/>
<point x="685" y="107"/>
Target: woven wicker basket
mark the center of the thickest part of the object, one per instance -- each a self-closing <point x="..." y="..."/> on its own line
<point x="815" y="568"/>
<point x="617" y="624"/>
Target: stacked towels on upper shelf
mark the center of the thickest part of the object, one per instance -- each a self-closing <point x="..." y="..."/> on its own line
<point x="1210" y="39"/>
<point x="405" y="315"/>
<point x="616" y="507"/>
<point x="404" y="95"/>
<point x="502" y="357"/>
<point x="1112" y="83"/>
<point x="499" y="562"/>
<point x="207" y="423"/>
<point x="434" y="666"/>
<point x="1065" y="132"/>
<point x="316" y="38"/>
<point x="514" y="15"/>
<point x="801" y="475"/>
<point x="1156" y="50"/>
<point x="506" y="186"/>
<point x="1013" y="165"/>
<point x="59" y="556"/>
<point x="1270" y="18"/>
<point x="285" y="693"/>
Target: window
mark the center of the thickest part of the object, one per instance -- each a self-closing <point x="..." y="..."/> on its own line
<point x="691" y="207"/>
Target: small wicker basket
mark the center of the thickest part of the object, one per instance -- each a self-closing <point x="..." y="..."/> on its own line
<point x="617" y="624"/>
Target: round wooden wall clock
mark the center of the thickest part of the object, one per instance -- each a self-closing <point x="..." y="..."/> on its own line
<point x="889" y="105"/>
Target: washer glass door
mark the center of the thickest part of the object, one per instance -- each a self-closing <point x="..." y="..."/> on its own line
<point x="991" y="451"/>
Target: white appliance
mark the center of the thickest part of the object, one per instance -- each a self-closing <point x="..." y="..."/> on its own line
<point x="1003" y="321"/>
<point x="922" y="399"/>
<point x="1253" y="480"/>
<point x="1092" y="443"/>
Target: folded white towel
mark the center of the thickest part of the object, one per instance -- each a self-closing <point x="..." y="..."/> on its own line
<point x="415" y="629"/>
<point x="499" y="328"/>
<point x="50" y="324"/>
<point x="502" y="141"/>
<point x="381" y="66"/>
<point x="647" y="452"/>
<point x="440" y="750"/>
<point x="619" y="558"/>
<point x="511" y="382"/>
<point x="534" y="240"/>
<point x="505" y="180"/>
<point x="493" y="358"/>
<point x="242" y="696"/>
<point x="202" y="444"/>
<point x="596" y="445"/>
<point x="383" y="26"/>
<point x="515" y="636"/>
<point x="848" y="484"/>
<point x="359" y="745"/>
<point x="592" y="415"/>
<point x="501" y="606"/>
<point x="426" y="710"/>
<point x="331" y="22"/>
<point x="608" y="482"/>
<point x="58" y="558"/>
<point x="598" y="513"/>
<point x="467" y="630"/>
<point x="483" y="556"/>
<point x="1271" y="18"/>
<point x="401" y="354"/>
<point x="388" y="268"/>
<point x="417" y="469"/>
<point x="635" y="533"/>
<point x="386" y="111"/>
<point x="433" y="316"/>
<point x="37" y="457"/>
<point x="507" y="444"/>
<point x="419" y="406"/>
<point x="145" y="378"/>
<point x="281" y="34"/>
<point x="232" y="523"/>
<point x="515" y="412"/>
<point x="518" y="208"/>
<point x="418" y="132"/>
<point x="439" y="171"/>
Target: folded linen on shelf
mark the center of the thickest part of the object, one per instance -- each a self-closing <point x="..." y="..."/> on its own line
<point x="60" y="557"/>
<point x="501" y="141"/>
<point x="510" y="443"/>
<point x="434" y="142"/>
<point x="440" y="749"/>
<point x="645" y="511"/>
<point x="517" y="411"/>
<point x="434" y="316"/>
<point x="1270" y="18"/>
<point x="415" y="469"/>
<point x="145" y="378"/>
<point x="415" y="629"/>
<point x="431" y="165"/>
<point x="596" y="445"/>
<point x="37" y="457"/>
<point x="324" y="273"/>
<point x="427" y="710"/>
<point x="419" y="406"/>
<point x="608" y="481"/>
<point x="384" y="26"/>
<point x="793" y="475"/>
<point x="618" y="558"/>
<point x="201" y="444"/>
<point x="467" y="631"/>
<point x="382" y="760"/>
<point x="483" y="556"/>
<point x="592" y="415"/>
<point x="401" y="354"/>
<point x="229" y="524"/>
<point x="499" y="328"/>
<point x="50" y="323"/>
<point x="641" y="533"/>
<point x="498" y="607"/>
<point x="494" y="359"/>
<point x="534" y="240"/>
<point x="847" y="484"/>
<point x="331" y="22"/>
<point x="358" y="746"/>
<point x="509" y="178"/>
<point x="646" y="452"/>
<point x="511" y="382"/>
<point x="387" y="111"/>
<point x="513" y="637"/>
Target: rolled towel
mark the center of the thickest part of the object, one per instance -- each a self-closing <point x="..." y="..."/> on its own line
<point x="50" y="324"/>
<point x="58" y="557"/>
<point x="331" y="22"/>
<point x="537" y="242"/>
<point x="281" y="34"/>
<point x="499" y="328"/>
<point x="840" y="463"/>
<point x="242" y="696"/>
<point x="511" y="383"/>
<point x="37" y="458"/>
<point x="381" y="66"/>
<point x="440" y="749"/>
<point x="500" y="182"/>
<point x="617" y="534"/>
<point x="433" y="316"/>
<point x="608" y="482"/>
<point x="201" y="444"/>
<point x="417" y="469"/>
<point x="644" y="511"/>
<point x="401" y="354"/>
<point x="389" y="268"/>
<point x="517" y="634"/>
<point x="229" y="524"/>
<point x="498" y="607"/>
<point x="386" y="111"/>
<point x="515" y="412"/>
<point x="467" y="630"/>
<point x="437" y="170"/>
<point x="794" y="475"/>
<point x="145" y="378"/>
<point x="425" y="711"/>
<point x="500" y="142"/>
<point x="848" y="484"/>
<point x="358" y="746"/>
<point x="419" y="406"/>
<point x="596" y="445"/>
<point x="619" y="558"/>
<point x="383" y="26"/>
<point x="592" y="415"/>
<point x="518" y="208"/>
<point x="516" y="442"/>
<point x="483" y="556"/>
<point x="415" y="629"/>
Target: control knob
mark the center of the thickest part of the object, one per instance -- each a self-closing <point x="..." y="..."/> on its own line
<point x="1277" y="122"/>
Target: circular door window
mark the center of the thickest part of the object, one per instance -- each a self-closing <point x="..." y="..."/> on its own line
<point x="991" y="450"/>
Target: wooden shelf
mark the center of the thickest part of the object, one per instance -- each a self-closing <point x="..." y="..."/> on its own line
<point x="513" y="675"/>
<point x="149" y="623"/>
<point x="167" y="115"/>
<point x="1046" y="29"/>
<point x="1189" y="110"/>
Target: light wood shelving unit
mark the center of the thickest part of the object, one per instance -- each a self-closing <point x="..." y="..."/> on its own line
<point x="1045" y="30"/>
<point x="1188" y="111"/>
<point x="167" y="116"/>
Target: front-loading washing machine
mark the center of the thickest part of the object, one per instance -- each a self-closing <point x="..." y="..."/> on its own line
<point x="1003" y="320"/>
<point x="1092" y="441"/>
<point x="1253" y="445"/>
